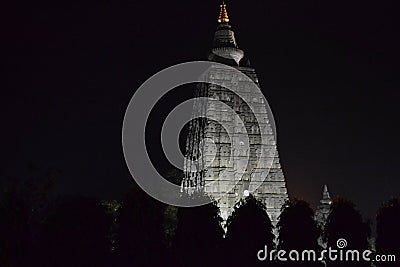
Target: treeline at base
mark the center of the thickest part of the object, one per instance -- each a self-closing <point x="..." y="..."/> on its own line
<point x="38" y="229"/>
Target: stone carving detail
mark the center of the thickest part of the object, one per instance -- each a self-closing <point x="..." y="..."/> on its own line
<point x="209" y="146"/>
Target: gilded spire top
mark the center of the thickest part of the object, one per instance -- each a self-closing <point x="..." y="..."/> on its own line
<point x="223" y="14"/>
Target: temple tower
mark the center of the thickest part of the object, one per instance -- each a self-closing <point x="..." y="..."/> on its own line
<point x="322" y="213"/>
<point x="324" y="208"/>
<point x="272" y="192"/>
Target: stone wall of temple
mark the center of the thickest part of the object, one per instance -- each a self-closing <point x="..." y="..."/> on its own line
<point x="216" y="171"/>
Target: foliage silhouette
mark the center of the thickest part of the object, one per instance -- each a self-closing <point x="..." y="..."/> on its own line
<point x="249" y="229"/>
<point x="38" y="230"/>
<point x="346" y="222"/>
<point x="24" y="204"/>
<point x="76" y="233"/>
<point x="298" y="231"/>
<point x="140" y="237"/>
<point x="15" y="232"/>
<point x="198" y="238"/>
<point x="388" y="230"/>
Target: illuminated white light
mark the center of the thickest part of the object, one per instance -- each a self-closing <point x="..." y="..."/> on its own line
<point x="246" y="193"/>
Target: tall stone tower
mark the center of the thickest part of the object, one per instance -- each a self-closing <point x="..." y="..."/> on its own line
<point x="322" y="213"/>
<point x="324" y="208"/>
<point x="217" y="154"/>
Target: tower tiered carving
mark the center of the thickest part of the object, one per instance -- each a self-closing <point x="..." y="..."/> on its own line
<point x="272" y="191"/>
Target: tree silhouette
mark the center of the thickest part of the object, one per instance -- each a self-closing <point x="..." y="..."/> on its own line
<point x="24" y="202"/>
<point x="170" y="225"/>
<point x="249" y="230"/>
<point x="298" y="231"/>
<point x="15" y="234"/>
<point x="388" y="230"/>
<point x="346" y="222"/>
<point x="76" y="233"/>
<point x="140" y="237"/>
<point x="198" y="238"/>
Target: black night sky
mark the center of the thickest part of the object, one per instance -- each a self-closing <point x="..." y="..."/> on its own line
<point x="329" y="70"/>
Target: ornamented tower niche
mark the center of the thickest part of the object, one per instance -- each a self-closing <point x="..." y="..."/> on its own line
<point x="272" y="191"/>
<point x="322" y="213"/>
<point x="324" y="208"/>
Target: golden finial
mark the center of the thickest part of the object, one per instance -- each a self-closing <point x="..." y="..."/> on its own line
<point x="223" y="14"/>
